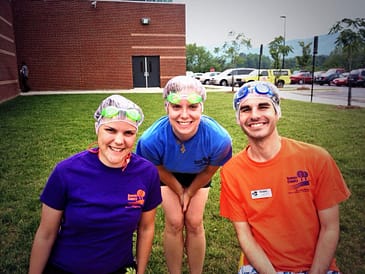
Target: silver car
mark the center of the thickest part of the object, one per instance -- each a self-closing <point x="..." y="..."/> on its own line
<point x="206" y="77"/>
<point x="229" y="76"/>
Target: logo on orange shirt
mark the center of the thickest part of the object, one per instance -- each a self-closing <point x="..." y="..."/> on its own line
<point x="299" y="183"/>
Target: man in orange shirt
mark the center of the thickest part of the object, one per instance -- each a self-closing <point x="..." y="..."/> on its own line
<point x="281" y="195"/>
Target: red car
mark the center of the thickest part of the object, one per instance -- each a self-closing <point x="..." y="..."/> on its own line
<point x="340" y="81"/>
<point x="301" y="78"/>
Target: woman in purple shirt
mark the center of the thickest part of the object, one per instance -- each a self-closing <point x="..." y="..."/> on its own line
<point x="95" y="200"/>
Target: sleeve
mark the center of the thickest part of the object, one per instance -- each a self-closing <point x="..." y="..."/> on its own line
<point x="230" y="204"/>
<point x="222" y="143"/>
<point x="154" y="197"/>
<point x="223" y="152"/>
<point x="331" y="187"/>
<point x="147" y="148"/>
<point x="54" y="193"/>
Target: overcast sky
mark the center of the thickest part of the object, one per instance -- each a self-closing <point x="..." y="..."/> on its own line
<point x="208" y="22"/>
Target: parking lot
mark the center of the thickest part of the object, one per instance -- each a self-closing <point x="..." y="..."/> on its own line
<point x="325" y="94"/>
<point x="321" y="94"/>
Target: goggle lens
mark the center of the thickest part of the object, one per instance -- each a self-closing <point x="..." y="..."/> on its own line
<point x="111" y="112"/>
<point x="260" y="89"/>
<point x="175" y="98"/>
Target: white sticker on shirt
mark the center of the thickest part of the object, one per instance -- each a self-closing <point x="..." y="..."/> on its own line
<point x="261" y="193"/>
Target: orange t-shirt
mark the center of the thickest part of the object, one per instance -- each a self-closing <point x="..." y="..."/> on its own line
<point x="280" y="199"/>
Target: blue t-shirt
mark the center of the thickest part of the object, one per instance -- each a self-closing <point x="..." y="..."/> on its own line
<point x="211" y="145"/>
<point x="101" y="209"/>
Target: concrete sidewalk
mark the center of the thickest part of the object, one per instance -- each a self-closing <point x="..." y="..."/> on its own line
<point x="321" y="94"/>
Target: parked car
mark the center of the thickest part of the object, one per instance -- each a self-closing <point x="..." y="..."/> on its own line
<point x="357" y="77"/>
<point x="328" y="76"/>
<point x="301" y="78"/>
<point x="206" y="77"/>
<point x="342" y="80"/>
<point x="279" y="77"/>
<point x="190" y="73"/>
<point x="230" y="77"/>
<point x="197" y="75"/>
<point x="318" y="73"/>
<point x="297" y="71"/>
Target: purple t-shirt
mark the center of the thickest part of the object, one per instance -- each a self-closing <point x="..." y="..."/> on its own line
<point x="101" y="209"/>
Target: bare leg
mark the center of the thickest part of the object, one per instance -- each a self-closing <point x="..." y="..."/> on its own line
<point x="195" y="234"/>
<point x="173" y="232"/>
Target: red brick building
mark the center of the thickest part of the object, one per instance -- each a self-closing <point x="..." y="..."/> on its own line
<point x="9" y="87"/>
<point x="86" y="45"/>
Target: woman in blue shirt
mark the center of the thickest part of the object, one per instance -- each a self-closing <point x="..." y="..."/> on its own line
<point x="187" y="148"/>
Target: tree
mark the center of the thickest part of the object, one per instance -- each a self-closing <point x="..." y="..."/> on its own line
<point x="232" y="50"/>
<point x="304" y="60"/>
<point x="351" y="39"/>
<point x="277" y="50"/>
<point x="274" y="49"/>
<point x="252" y="61"/>
<point x="198" y="59"/>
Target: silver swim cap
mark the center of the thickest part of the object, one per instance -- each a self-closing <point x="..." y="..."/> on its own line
<point x="186" y="85"/>
<point x="258" y="89"/>
<point x="118" y="108"/>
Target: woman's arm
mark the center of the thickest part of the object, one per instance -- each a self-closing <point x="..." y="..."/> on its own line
<point x="44" y="238"/>
<point x="145" y="234"/>
<point x="169" y="179"/>
<point x="199" y="181"/>
<point x="185" y="195"/>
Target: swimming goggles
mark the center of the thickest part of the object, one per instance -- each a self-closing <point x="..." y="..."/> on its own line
<point x="260" y="89"/>
<point x="175" y="98"/>
<point x="131" y="113"/>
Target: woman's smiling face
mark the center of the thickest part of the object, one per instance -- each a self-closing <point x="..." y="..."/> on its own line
<point x="116" y="141"/>
<point x="184" y="118"/>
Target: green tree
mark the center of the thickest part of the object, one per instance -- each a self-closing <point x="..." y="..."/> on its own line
<point x="351" y="40"/>
<point x="277" y="49"/>
<point x="274" y="50"/>
<point x="232" y="50"/>
<point x="304" y="61"/>
<point x="351" y="37"/>
<point x="198" y="59"/>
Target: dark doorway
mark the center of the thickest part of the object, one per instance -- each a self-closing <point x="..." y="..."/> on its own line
<point x="146" y="71"/>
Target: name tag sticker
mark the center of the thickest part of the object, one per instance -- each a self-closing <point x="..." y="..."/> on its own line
<point x="261" y="193"/>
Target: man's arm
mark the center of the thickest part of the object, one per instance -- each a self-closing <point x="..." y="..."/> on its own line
<point x="327" y="240"/>
<point x="252" y="250"/>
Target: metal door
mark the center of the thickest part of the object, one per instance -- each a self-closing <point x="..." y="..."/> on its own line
<point x="146" y="71"/>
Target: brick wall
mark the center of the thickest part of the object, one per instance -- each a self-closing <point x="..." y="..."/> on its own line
<point x="70" y="45"/>
<point x="9" y="86"/>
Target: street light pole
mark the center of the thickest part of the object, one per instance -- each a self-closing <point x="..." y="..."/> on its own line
<point x="283" y="17"/>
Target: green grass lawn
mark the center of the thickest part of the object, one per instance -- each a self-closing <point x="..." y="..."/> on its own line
<point x="38" y="131"/>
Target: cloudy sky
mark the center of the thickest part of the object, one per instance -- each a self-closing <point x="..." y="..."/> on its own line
<point x="208" y="22"/>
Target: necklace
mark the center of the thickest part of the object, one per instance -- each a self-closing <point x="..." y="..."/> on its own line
<point x="182" y="146"/>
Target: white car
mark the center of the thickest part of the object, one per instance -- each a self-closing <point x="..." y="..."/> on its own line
<point x="190" y="74"/>
<point x="230" y="77"/>
<point x="206" y="77"/>
<point x="197" y="75"/>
